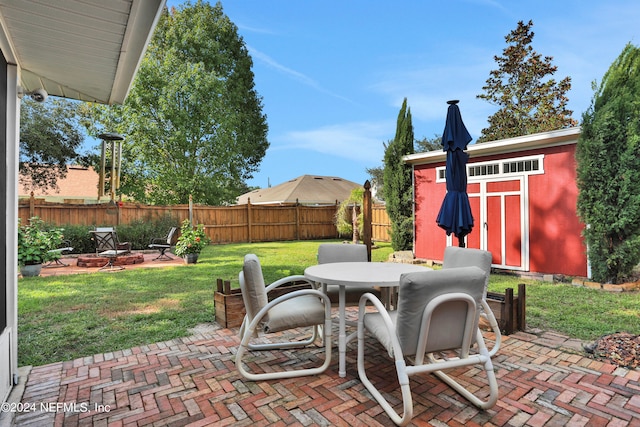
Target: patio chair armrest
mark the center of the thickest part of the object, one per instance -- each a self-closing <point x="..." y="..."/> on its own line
<point x="379" y="306"/>
<point x="287" y="280"/>
<point x="124" y="246"/>
<point x="488" y="315"/>
<point x="294" y="294"/>
<point x="325" y="299"/>
<point x="395" y="351"/>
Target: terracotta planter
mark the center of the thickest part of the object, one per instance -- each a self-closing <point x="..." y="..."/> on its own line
<point x="190" y="258"/>
<point x="31" y="270"/>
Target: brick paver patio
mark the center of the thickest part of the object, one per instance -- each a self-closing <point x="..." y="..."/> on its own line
<point x="192" y="381"/>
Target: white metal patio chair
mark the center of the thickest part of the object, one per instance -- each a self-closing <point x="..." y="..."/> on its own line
<point x="433" y="330"/>
<point x="344" y="252"/>
<point x="297" y="309"/>
<point x="456" y="257"/>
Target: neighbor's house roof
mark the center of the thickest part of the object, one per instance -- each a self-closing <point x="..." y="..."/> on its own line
<point x="88" y="50"/>
<point x="81" y="183"/>
<point x="306" y="190"/>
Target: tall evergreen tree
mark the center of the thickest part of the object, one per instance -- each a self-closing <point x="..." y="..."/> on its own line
<point x="376" y="173"/>
<point x="398" y="193"/>
<point x="193" y="120"/>
<point x="608" y="156"/>
<point x="528" y="100"/>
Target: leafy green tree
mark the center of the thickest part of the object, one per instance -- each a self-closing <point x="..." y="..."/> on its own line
<point x="376" y="178"/>
<point x="398" y="192"/>
<point x="348" y="217"/>
<point x="425" y="144"/>
<point x="193" y="120"/>
<point x="528" y="100"/>
<point x="50" y="136"/>
<point x="608" y="156"/>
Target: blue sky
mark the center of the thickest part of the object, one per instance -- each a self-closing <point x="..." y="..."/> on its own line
<point x="333" y="73"/>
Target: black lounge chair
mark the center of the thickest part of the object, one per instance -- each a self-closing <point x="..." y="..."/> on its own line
<point x="108" y="246"/>
<point x="58" y="253"/>
<point x="163" y="244"/>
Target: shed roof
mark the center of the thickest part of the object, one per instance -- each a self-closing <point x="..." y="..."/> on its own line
<point x="510" y="145"/>
<point x="305" y="189"/>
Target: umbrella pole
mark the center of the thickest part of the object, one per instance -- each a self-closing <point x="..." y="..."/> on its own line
<point x="461" y="241"/>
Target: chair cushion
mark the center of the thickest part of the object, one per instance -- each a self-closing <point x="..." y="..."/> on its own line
<point x="345" y="252"/>
<point x="456" y="257"/>
<point x="297" y="312"/>
<point x="112" y="253"/>
<point x="253" y="293"/>
<point x="374" y="323"/>
<point x="417" y="289"/>
<point x="341" y="252"/>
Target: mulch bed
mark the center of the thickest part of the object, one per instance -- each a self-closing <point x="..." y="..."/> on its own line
<point x="621" y="349"/>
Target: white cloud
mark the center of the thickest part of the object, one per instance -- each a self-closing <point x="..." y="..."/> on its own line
<point x="362" y="141"/>
<point x="300" y="77"/>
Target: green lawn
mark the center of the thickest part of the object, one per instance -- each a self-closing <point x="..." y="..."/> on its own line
<point x="65" y="317"/>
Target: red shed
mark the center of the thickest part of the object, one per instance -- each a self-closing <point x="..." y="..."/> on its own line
<point x="523" y="196"/>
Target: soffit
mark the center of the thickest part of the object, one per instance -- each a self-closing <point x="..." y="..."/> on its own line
<point x="88" y="50"/>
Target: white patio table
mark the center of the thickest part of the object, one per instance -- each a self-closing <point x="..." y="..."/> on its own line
<point x="343" y="274"/>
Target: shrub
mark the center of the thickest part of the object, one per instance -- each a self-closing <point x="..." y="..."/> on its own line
<point x="139" y="233"/>
<point x="79" y="238"/>
<point x="35" y="241"/>
<point x="192" y="240"/>
<point x="608" y="164"/>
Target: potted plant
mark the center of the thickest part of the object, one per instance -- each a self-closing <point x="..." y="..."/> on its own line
<point x="191" y="241"/>
<point x="34" y="245"/>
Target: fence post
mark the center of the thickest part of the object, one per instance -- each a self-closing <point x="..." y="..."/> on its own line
<point x="249" y="219"/>
<point x="32" y="206"/>
<point x="367" y="229"/>
<point x="297" y="220"/>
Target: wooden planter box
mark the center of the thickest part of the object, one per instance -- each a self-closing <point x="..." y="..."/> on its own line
<point x="508" y="309"/>
<point x="229" y="306"/>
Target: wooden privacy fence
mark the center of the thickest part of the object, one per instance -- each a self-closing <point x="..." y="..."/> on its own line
<point x="223" y="224"/>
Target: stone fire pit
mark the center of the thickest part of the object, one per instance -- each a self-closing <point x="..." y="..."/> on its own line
<point x="92" y="260"/>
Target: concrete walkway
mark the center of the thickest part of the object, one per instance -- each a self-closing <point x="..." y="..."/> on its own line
<point x="545" y="380"/>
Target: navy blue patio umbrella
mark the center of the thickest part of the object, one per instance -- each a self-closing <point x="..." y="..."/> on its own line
<point x="455" y="213"/>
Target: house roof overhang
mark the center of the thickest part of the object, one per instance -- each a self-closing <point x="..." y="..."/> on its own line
<point x="88" y="50"/>
<point x="503" y="146"/>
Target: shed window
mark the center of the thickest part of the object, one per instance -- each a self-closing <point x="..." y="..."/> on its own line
<point x="530" y="165"/>
<point x="482" y="170"/>
<point x="521" y="166"/>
